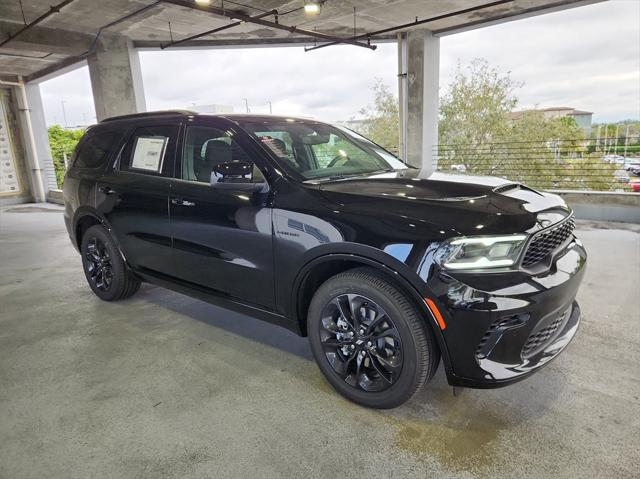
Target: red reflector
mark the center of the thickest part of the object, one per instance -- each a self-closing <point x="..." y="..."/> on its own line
<point x="434" y="310"/>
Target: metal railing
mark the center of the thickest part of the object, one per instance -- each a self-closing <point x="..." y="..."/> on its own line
<point x="584" y="164"/>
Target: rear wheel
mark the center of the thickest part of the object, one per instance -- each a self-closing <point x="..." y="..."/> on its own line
<point x="369" y="339"/>
<point x="104" y="267"/>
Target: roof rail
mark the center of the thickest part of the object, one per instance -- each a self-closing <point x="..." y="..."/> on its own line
<point x="151" y="114"/>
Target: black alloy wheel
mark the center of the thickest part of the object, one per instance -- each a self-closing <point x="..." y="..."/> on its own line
<point x="99" y="264"/>
<point x="105" y="269"/>
<point x="370" y="341"/>
<point x="361" y="342"/>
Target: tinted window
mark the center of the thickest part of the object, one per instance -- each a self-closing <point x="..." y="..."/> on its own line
<point x="151" y="150"/>
<point x="206" y="147"/>
<point x="317" y="150"/>
<point x="96" y="147"/>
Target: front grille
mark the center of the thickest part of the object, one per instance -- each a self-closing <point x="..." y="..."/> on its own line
<point x="548" y="241"/>
<point x="540" y="338"/>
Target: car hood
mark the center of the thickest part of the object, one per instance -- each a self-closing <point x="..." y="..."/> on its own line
<point x="463" y="204"/>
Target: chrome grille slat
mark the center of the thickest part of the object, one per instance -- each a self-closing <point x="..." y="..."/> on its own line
<point x="548" y="241"/>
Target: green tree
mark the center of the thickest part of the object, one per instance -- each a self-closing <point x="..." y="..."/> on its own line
<point x="381" y="119"/>
<point x="480" y="133"/>
<point x="474" y="115"/>
<point x="62" y="142"/>
<point x="480" y="130"/>
<point x="551" y="153"/>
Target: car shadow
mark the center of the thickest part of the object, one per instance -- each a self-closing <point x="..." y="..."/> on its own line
<point x="460" y="409"/>
<point x="230" y="321"/>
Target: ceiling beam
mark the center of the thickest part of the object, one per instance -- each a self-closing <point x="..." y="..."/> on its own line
<point x="46" y="40"/>
<point x="24" y="29"/>
<point x="515" y="14"/>
<point x="243" y="43"/>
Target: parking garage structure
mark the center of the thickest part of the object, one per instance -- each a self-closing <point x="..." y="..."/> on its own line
<point x="39" y="41"/>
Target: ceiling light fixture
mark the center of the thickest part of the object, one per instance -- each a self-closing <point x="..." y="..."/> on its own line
<point x="203" y="2"/>
<point x="312" y="8"/>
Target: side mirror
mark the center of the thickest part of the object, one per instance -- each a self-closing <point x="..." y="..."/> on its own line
<point x="236" y="175"/>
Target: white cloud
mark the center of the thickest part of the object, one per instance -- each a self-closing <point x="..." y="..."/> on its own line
<point x="74" y="89"/>
<point x="587" y="58"/>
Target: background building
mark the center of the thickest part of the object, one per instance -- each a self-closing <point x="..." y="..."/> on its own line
<point x="582" y="118"/>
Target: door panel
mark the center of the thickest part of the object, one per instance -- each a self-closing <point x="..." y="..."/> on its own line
<point x="136" y="207"/>
<point x="222" y="239"/>
<point x="134" y="196"/>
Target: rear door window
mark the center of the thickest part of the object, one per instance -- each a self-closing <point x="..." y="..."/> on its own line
<point x="151" y="150"/>
<point x="96" y="147"/>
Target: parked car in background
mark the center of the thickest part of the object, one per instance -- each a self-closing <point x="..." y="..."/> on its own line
<point x="613" y="159"/>
<point x="621" y="176"/>
<point x="317" y="229"/>
<point x="633" y="167"/>
<point x="635" y="187"/>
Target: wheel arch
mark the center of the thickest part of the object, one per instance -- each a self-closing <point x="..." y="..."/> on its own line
<point x="321" y="268"/>
<point x="82" y="223"/>
<point x="85" y="219"/>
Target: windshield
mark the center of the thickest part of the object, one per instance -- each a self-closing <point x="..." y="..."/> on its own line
<point x="320" y="151"/>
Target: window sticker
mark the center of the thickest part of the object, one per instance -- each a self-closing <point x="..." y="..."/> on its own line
<point x="149" y="153"/>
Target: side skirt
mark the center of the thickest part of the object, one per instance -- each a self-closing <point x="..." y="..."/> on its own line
<point x="214" y="297"/>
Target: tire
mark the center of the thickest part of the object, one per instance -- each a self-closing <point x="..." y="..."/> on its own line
<point x="404" y="338"/>
<point x="104" y="268"/>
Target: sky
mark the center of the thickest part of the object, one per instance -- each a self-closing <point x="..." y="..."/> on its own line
<point x="587" y="58"/>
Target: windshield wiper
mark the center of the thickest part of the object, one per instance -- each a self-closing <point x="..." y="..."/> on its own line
<point x="352" y="175"/>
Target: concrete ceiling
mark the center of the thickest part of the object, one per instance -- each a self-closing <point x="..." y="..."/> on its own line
<point x="65" y="38"/>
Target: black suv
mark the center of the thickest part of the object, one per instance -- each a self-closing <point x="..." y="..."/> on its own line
<point x="317" y="229"/>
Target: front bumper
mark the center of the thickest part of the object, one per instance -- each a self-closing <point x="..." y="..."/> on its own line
<point x="502" y="327"/>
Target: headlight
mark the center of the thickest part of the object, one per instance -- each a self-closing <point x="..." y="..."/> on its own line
<point x="480" y="252"/>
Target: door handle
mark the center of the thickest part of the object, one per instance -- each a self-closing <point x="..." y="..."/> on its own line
<point x="180" y="202"/>
<point x="107" y="190"/>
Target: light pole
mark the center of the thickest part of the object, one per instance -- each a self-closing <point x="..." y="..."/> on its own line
<point x="64" y="114"/>
<point x="246" y="104"/>
<point x="270" y="108"/>
<point x="626" y="141"/>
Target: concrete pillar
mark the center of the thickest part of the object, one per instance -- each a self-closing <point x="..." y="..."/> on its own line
<point x="116" y="78"/>
<point x="43" y="157"/>
<point x="422" y="68"/>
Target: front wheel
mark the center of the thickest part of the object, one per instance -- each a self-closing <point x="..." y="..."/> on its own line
<point x="369" y="339"/>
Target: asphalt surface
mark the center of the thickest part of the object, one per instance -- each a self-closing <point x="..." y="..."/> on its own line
<point x="165" y="386"/>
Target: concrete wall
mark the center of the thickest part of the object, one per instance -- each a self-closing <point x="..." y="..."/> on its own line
<point x="16" y="145"/>
<point x="606" y="206"/>
<point x="28" y="142"/>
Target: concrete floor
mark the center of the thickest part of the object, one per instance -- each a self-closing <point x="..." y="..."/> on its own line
<point x="162" y="385"/>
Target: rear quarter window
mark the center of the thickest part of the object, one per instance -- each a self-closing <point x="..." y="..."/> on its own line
<point x="96" y="147"/>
